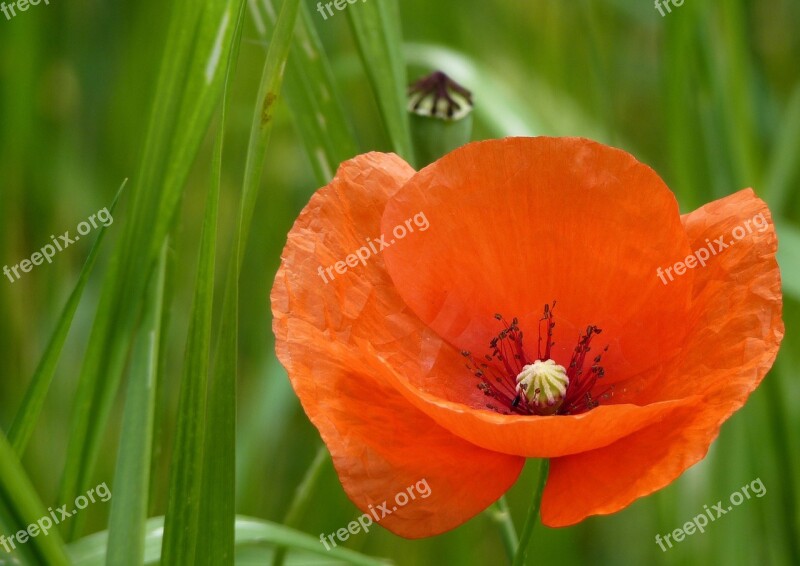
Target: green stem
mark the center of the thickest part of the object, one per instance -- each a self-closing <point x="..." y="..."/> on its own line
<point x="302" y="498"/>
<point x="501" y="516"/>
<point x="533" y="513"/>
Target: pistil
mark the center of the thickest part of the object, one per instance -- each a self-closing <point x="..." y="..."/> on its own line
<point x="519" y="383"/>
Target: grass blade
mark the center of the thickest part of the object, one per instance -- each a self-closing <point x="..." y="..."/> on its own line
<point x="183" y="513"/>
<point x="312" y="96"/>
<point x="218" y="504"/>
<point x="23" y="507"/>
<point x="132" y="478"/>
<point x="216" y="535"/>
<point x="376" y="28"/>
<point x="29" y="412"/>
<point x="268" y="90"/>
<point x="250" y="533"/>
<point x="189" y="85"/>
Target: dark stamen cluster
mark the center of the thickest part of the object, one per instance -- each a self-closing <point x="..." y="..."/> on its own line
<point x="579" y="397"/>
<point x="497" y="371"/>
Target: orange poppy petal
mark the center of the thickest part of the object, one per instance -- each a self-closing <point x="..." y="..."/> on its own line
<point x="604" y="481"/>
<point x="735" y="330"/>
<point x="380" y="443"/>
<point x="382" y="446"/>
<point x="520" y="222"/>
<point x="522" y="435"/>
<point x="736" y="300"/>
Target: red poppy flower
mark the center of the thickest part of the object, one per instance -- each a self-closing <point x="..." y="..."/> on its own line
<point x="400" y="361"/>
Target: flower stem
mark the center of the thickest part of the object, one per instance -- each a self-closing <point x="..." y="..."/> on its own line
<point x="302" y="498"/>
<point x="501" y="516"/>
<point x="533" y="513"/>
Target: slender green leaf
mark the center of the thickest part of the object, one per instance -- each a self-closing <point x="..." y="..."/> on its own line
<point x="22" y="507"/>
<point x="182" y="531"/>
<point x="189" y="84"/>
<point x="217" y="507"/>
<point x="312" y="95"/>
<point x="258" y="530"/>
<point x="218" y="503"/>
<point x="132" y="479"/>
<point x="186" y="475"/>
<point x="31" y="409"/>
<point x="376" y="28"/>
<point x="268" y="91"/>
<point x="216" y="537"/>
<point x="250" y="533"/>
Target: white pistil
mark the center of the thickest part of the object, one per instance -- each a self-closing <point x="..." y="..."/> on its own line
<point x="544" y="384"/>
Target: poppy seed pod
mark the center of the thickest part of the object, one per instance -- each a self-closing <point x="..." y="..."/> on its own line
<point x="441" y="116"/>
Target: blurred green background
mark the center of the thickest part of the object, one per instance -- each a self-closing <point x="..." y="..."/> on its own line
<point x="708" y="95"/>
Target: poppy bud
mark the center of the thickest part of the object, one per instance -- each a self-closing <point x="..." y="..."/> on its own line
<point x="441" y="116"/>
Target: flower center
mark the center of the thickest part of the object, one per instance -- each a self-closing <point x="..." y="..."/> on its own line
<point x="544" y="384"/>
<point x="519" y="383"/>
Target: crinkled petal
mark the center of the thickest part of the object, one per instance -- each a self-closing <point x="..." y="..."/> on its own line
<point x="381" y="444"/>
<point x="735" y="330"/>
<point x="520" y="222"/>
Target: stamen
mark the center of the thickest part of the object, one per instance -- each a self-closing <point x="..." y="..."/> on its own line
<point x="507" y="371"/>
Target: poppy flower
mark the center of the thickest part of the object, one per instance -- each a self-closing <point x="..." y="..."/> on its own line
<point x="542" y="313"/>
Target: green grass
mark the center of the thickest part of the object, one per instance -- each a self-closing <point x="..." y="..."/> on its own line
<point x="144" y="357"/>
